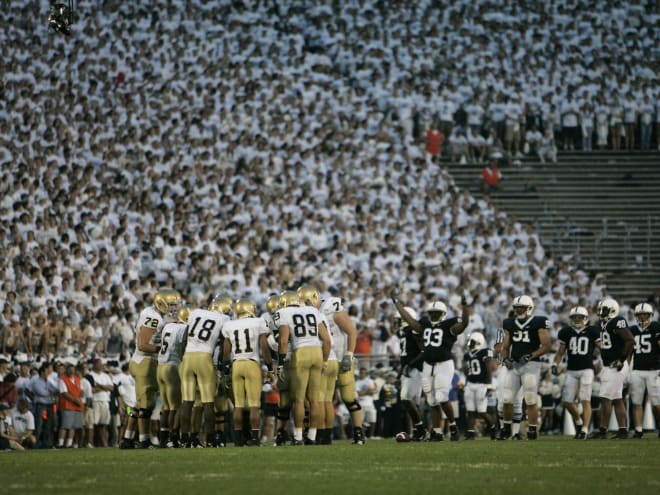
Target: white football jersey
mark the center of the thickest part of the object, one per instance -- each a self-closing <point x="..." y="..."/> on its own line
<point x="244" y="337"/>
<point x="150" y="318"/>
<point x="329" y="307"/>
<point x="303" y="323"/>
<point x="172" y="336"/>
<point x="204" y="329"/>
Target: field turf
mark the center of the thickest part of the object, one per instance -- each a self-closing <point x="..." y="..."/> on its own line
<point x="552" y="465"/>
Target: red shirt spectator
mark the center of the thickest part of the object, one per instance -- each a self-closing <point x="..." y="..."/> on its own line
<point x="434" y="140"/>
<point x="491" y="176"/>
<point x="8" y="390"/>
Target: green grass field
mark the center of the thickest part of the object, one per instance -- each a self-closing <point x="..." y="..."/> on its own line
<point x="551" y="465"/>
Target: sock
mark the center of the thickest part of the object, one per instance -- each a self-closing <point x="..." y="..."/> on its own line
<point x="515" y="428"/>
<point x="60" y="442"/>
<point x="638" y="428"/>
<point x="311" y="434"/>
<point x="69" y="442"/>
<point x="144" y="438"/>
<point x="129" y="434"/>
<point x="297" y="433"/>
<point x="578" y="422"/>
<point x="437" y="430"/>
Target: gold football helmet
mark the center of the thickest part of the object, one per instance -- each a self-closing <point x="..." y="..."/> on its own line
<point x="309" y="295"/>
<point x="167" y="301"/>
<point x="244" y="308"/>
<point x="222" y="304"/>
<point x="289" y="298"/>
<point x="273" y="303"/>
<point x="183" y="314"/>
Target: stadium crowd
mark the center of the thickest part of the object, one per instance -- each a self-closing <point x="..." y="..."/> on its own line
<point x="245" y="146"/>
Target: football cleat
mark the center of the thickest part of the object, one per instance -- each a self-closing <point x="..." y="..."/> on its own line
<point x="127" y="444"/>
<point x="638" y="434"/>
<point x="453" y="434"/>
<point x="622" y="434"/>
<point x="297" y="442"/>
<point x="581" y="435"/>
<point x="308" y="441"/>
<point x="419" y="435"/>
<point x="493" y="432"/>
<point x="281" y="438"/>
<point x="358" y="436"/>
<point x="517" y="436"/>
<point x="436" y="437"/>
<point x="470" y="435"/>
<point x="219" y="440"/>
<point x="532" y="435"/>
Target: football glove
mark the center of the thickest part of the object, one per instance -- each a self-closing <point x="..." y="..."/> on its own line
<point x="280" y="372"/>
<point x="525" y="359"/>
<point x="618" y="364"/>
<point x="508" y="362"/>
<point x="346" y="362"/>
<point x="554" y="370"/>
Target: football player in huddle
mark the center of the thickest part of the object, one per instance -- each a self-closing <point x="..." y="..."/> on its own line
<point x="343" y="332"/>
<point x="245" y="346"/>
<point x="526" y="339"/>
<point x="646" y="364"/>
<point x="309" y="295"/>
<point x="143" y="364"/>
<point x="578" y="341"/>
<point x="439" y="335"/>
<point x="304" y="326"/>
<point x="617" y="345"/>
<point x="411" y="376"/>
<point x="203" y="332"/>
<point x="169" y="382"/>
<point x="478" y="363"/>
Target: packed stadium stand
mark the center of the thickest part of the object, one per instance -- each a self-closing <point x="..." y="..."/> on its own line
<point x="244" y="146"/>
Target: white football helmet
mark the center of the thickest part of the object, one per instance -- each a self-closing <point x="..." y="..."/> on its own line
<point x="643" y="313"/>
<point x="608" y="309"/>
<point x="476" y="341"/>
<point x="437" y="311"/>
<point x="523" y="307"/>
<point x="579" y="317"/>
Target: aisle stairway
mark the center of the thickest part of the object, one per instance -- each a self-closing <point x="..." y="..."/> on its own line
<point x="603" y="208"/>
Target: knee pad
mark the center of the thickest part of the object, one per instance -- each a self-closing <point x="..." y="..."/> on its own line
<point x="283" y="413"/>
<point x="507" y="396"/>
<point x="529" y="384"/>
<point x="426" y="384"/>
<point x="353" y="406"/>
<point x="145" y="413"/>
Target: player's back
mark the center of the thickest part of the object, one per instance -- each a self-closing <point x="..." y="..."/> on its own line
<point x="244" y="337"/>
<point x="204" y="330"/>
<point x="172" y="336"/>
<point x="303" y="323"/>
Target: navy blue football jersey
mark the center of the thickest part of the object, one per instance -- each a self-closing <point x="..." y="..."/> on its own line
<point x="524" y="337"/>
<point x="580" y="346"/>
<point x="611" y="343"/>
<point x="410" y="348"/>
<point x="647" y="350"/>
<point x="476" y="366"/>
<point x="438" y="339"/>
